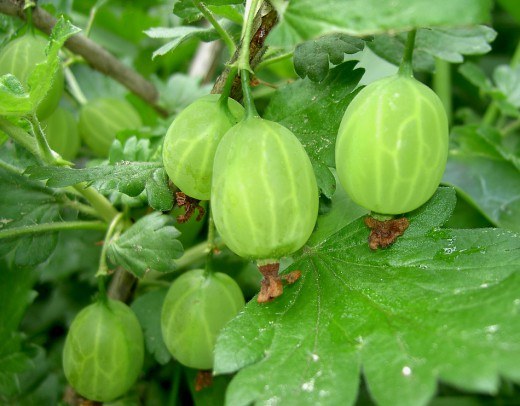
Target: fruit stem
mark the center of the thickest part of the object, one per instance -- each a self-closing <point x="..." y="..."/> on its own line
<point x="113" y="230"/>
<point x="249" y="103"/>
<point x="102" y="289"/>
<point x="28" y="7"/>
<point x="406" y="68"/>
<point x="226" y="91"/>
<point x="224" y="35"/>
<point x="211" y="243"/>
<point x="247" y="28"/>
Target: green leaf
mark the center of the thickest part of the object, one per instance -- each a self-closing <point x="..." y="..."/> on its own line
<point x="160" y="197"/>
<point x="130" y="178"/>
<point x="133" y="149"/>
<point x="27" y="203"/>
<point x="313" y="112"/>
<point x="148" y="308"/>
<point x="41" y="77"/>
<point x="440" y="304"/>
<point x="481" y="174"/>
<point x="150" y="244"/>
<point x="301" y="20"/>
<point x="180" y="91"/>
<point x="186" y="10"/>
<point x="476" y="76"/>
<point x="15" y="296"/>
<point x="312" y="58"/>
<point x="449" y="44"/>
<point x="178" y="35"/>
<point x="507" y="80"/>
<point x="342" y="212"/>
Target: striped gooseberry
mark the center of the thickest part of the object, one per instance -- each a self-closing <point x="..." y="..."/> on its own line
<point x="264" y="195"/>
<point x="101" y="119"/>
<point x="191" y="141"/>
<point x="392" y="145"/>
<point x="19" y="57"/>
<point x="197" y="306"/>
<point x="104" y="351"/>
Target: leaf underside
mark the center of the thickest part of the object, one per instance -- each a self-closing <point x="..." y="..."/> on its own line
<point x="440" y="304"/>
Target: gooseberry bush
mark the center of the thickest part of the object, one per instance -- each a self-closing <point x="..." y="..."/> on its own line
<point x="259" y="202"/>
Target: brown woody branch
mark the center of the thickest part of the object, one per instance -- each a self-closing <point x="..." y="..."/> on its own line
<point x="96" y="56"/>
<point x="265" y="20"/>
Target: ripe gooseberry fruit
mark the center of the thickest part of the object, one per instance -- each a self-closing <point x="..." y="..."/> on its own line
<point x="264" y="196"/>
<point x="61" y="130"/>
<point x="392" y="145"/>
<point x="197" y="306"/>
<point x="191" y="141"/>
<point x="19" y="57"/>
<point x="101" y="119"/>
<point x="104" y="351"/>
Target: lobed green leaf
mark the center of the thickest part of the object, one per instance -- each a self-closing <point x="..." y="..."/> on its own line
<point x="440" y="304"/>
<point x="150" y="244"/>
<point x="313" y="58"/>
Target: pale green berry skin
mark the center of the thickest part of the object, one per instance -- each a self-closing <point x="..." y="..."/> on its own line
<point x="104" y="351"/>
<point x="392" y="145"/>
<point x="101" y="119"/>
<point x="19" y="57"/>
<point x="191" y="141"/>
<point x="61" y="130"/>
<point x="264" y="197"/>
<point x="197" y="306"/>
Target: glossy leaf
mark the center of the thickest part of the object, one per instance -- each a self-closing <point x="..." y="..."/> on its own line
<point x="438" y="304"/>
<point x="313" y="112"/>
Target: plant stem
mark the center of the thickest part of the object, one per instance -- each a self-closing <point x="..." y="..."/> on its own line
<point x="102" y="289"/>
<point x="274" y="59"/>
<point x="206" y="12"/>
<point x="247" y="28"/>
<point x="20" y="136"/>
<point x="508" y="129"/>
<point x="92" y="16"/>
<point x="52" y="227"/>
<point x="112" y="229"/>
<point x="406" y="67"/>
<point x="442" y="85"/>
<point x="74" y="87"/>
<point x="248" y="96"/>
<point x="43" y="146"/>
<point x="10" y="168"/>
<point x="98" y="202"/>
<point x="83" y="208"/>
